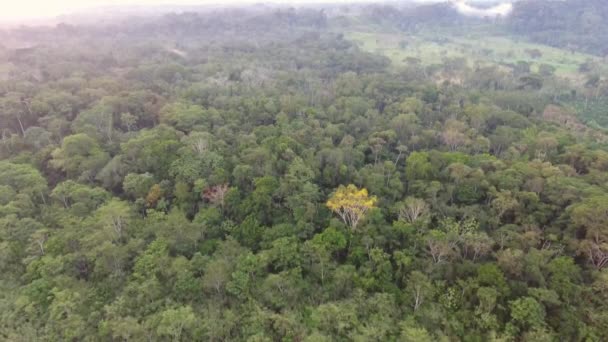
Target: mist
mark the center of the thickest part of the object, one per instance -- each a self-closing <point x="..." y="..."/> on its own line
<point x="35" y="9"/>
<point x="303" y="170"/>
<point x="38" y="9"/>
<point x="502" y="10"/>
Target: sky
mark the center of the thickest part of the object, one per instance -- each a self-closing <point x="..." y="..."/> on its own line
<point x="25" y="9"/>
<point x="33" y="9"/>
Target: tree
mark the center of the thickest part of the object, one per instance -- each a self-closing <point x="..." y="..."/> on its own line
<point x="23" y="179"/>
<point x="526" y="312"/>
<point x="504" y="202"/>
<point x="592" y="216"/>
<point x="217" y="274"/>
<point x="320" y="258"/>
<point x="216" y="194"/>
<point x="183" y="116"/>
<point x="38" y="138"/>
<point x="262" y="199"/>
<point x="418" y="166"/>
<point x="419" y="288"/>
<point x="65" y="310"/>
<point x="39" y="238"/>
<point x="137" y="185"/>
<point x="152" y="150"/>
<point x="439" y="247"/>
<point x="413" y="209"/>
<point x="79" y="156"/>
<point x="79" y="199"/>
<point x="115" y="215"/>
<point x="96" y="122"/>
<point x="187" y="186"/>
<point x="546" y="70"/>
<point x="174" y="322"/>
<point x="154" y="195"/>
<point x="412" y="332"/>
<point x="454" y="134"/>
<point x="15" y="112"/>
<point x="300" y="193"/>
<point x="152" y="261"/>
<point x="351" y="204"/>
<point x="125" y="328"/>
<point x="476" y="245"/>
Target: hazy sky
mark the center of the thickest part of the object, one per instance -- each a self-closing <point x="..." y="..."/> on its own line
<point x="26" y="9"/>
<point x="19" y="9"/>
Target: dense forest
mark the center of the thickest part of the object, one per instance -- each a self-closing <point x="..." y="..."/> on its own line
<point x="570" y="24"/>
<point x="573" y="24"/>
<point x="252" y="174"/>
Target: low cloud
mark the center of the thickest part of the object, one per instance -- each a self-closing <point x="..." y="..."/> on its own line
<point x="501" y="10"/>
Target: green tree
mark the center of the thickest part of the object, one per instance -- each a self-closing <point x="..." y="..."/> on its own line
<point x="137" y="185"/>
<point x="115" y="216"/>
<point x="183" y="116"/>
<point x="79" y="156"/>
<point x="527" y="313"/>
<point x="418" y="166"/>
<point x="176" y="323"/>
<point x="419" y="289"/>
<point x="590" y="215"/>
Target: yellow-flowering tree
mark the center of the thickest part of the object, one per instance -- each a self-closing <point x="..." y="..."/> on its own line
<point x="351" y="204"/>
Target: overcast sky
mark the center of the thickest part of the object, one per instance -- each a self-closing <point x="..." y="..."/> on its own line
<point x="26" y="9"/>
<point x="19" y="9"/>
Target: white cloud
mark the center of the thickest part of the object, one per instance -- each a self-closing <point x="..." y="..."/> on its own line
<point x="464" y="8"/>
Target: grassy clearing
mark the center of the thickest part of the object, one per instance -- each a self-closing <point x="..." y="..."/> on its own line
<point x="432" y="48"/>
<point x="5" y="69"/>
<point x="593" y="112"/>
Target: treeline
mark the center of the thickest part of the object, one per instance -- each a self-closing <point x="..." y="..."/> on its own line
<point x="288" y="186"/>
<point x="417" y="17"/>
<point x="577" y="25"/>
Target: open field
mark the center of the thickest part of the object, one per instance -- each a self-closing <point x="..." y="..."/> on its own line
<point x="431" y="49"/>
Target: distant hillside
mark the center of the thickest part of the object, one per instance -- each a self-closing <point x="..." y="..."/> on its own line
<point x="416" y="17"/>
<point x="575" y="24"/>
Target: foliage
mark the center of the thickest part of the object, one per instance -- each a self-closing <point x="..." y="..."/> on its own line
<point x="351" y="204"/>
<point x="191" y="177"/>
